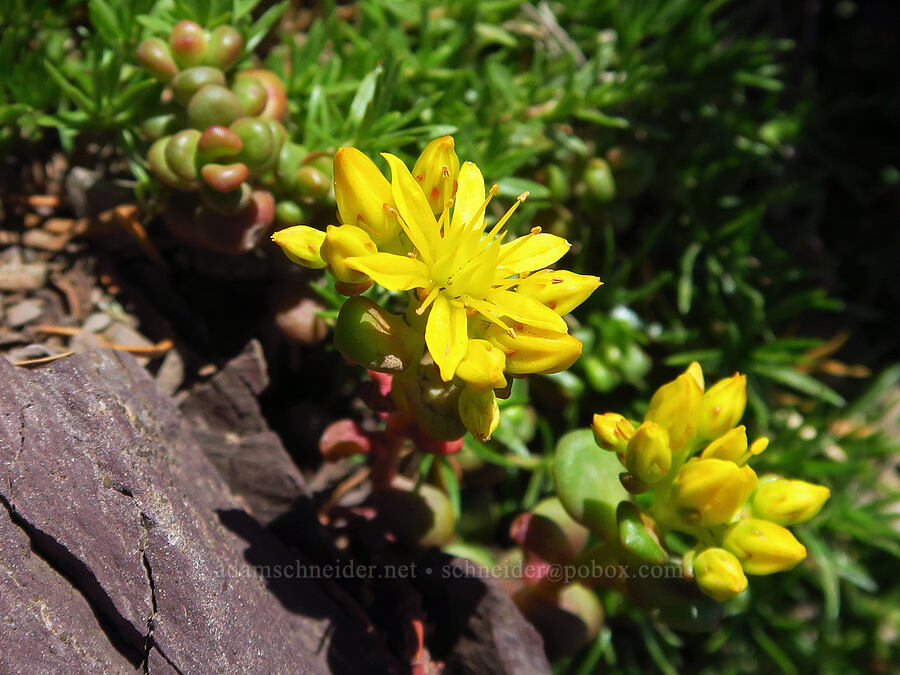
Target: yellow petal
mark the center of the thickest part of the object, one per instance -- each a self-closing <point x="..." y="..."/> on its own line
<point x="421" y="227"/>
<point x="446" y="335"/>
<point x="560" y="290"/>
<point x="394" y="272"/>
<point x="539" y="251"/>
<point x="469" y="196"/>
<point x="523" y="309"/>
<point x="361" y="193"/>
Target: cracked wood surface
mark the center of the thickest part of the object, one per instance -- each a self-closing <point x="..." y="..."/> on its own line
<point x="118" y="544"/>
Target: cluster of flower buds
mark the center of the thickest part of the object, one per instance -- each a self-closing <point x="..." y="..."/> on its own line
<point x="221" y="137"/>
<point x="690" y="454"/>
<point x="479" y="309"/>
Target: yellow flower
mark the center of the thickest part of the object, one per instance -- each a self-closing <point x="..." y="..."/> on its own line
<point x="479" y="411"/>
<point x="648" y="455"/>
<point x="712" y="491"/>
<point x="677" y="406"/>
<point x="302" y="245"/>
<point x="763" y="547"/>
<point x="437" y="170"/>
<point x="612" y="431"/>
<point x="460" y="271"/>
<point x="723" y="405"/>
<point x="363" y="195"/>
<point x="719" y="574"/>
<point x="342" y="244"/>
<point x="788" y="502"/>
<point x="731" y="446"/>
<point x="482" y="367"/>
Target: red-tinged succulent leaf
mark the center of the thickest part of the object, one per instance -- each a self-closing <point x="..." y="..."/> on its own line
<point x="276" y="96"/>
<point x="186" y="83"/>
<point x="252" y="95"/>
<point x="224" y="47"/>
<point x="188" y="42"/>
<point x="224" y="177"/>
<point x="181" y="154"/>
<point x="218" y="141"/>
<point x="211" y="105"/>
<point x="155" y="56"/>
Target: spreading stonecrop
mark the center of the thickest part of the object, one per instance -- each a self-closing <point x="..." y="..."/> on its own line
<point x="689" y="453"/>
<point x="481" y="307"/>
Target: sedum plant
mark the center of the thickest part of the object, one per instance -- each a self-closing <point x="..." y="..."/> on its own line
<point x="220" y="138"/>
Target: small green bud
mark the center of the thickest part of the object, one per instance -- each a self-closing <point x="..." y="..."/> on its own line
<point x="156" y="58"/>
<point x="188" y="43"/>
<point x="288" y="213"/>
<point x="369" y="335"/>
<point x="311" y="182"/>
<point x="211" y="105"/>
<point x="224" y="47"/>
<point x="599" y="181"/>
<point x="479" y="411"/>
<point x="290" y="159"/>
<point x="186" y="83"/>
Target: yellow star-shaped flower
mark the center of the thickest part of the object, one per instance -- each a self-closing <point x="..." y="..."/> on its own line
<point x="460" y="271"/>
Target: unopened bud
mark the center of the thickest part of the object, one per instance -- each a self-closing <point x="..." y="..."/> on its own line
<point x="723" y="405"/>
<point x="763" y="547"/>
<point x="436" y="170"/>
<point x="731" y="446"/>
<point x="560" y="290"/>
<point x="712" y="491"/>
<point x="677" y="406"/>
<point x="302" y="245"/>
<point x="479" y="411"/>
<point x="536" y="350"/>
<point x="345" y="242"/>
<point x="362" y="193"/>
<point x="788" y="502"/>
<point x="648" y="455"/>
<point x="482" y="366"/>
<point x="612" y="432"/>
<point x="719" y="574"/>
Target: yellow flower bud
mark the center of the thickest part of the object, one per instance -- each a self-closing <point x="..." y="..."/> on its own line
<point x="436" y="170"/>
<point x="363" y="195"/>
<point x="723" y="405"/>
<point x="718" y="574"/>
<point x="560" y="290"/>
<point x="302" y="245"/>
<point x="697" y="372"/>
<point x="678" y="406"/>
<point x="346" y="241"/>
<point x="536" y="350"/>
<point x="712" y="491"/>
<point x="731" y="446"/>
<point x="763" y="547"/>
<point x="788" y="502"/>
<point x="479" y="411"/>
<point x="482" y="366"/>
<point x="612" y="432"/>
<point x="648" y="455"/>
